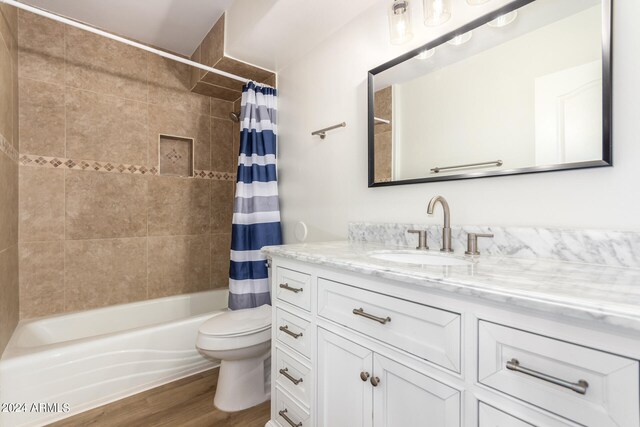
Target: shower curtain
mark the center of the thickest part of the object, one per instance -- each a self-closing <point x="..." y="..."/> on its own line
<point x="256" y="212"/>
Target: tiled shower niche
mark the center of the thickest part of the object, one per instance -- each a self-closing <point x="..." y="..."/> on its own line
<point x="176" y="156"/>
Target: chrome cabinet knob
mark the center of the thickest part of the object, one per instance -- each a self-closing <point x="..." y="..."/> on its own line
<point x="375" y="381"/>
<point x="364" y="376"/>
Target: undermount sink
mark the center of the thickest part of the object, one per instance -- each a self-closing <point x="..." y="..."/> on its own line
<point x="419" y="258"/>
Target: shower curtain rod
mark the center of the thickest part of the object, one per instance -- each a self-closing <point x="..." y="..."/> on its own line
<point x="94" y="30"/>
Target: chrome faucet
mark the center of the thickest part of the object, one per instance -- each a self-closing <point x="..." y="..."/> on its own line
<point x="446" y="231"/>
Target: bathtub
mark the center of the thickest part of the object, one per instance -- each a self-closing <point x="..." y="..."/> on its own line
<point x="58" y="366"/>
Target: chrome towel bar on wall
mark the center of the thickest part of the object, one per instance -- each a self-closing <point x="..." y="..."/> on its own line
<point x="322" y="133"/>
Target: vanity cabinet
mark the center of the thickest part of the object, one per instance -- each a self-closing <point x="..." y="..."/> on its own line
<point x="359" y="388"/>
<point x="351" y="350"/>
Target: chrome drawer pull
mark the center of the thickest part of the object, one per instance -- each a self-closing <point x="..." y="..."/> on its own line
<point x="580" y="387"/>
<point x="289" y="377"/>
<point x="286" y="330"/>
<point x="283" y="414"/>
<point x="289" y="288"/>
<point x="360" y="312"/>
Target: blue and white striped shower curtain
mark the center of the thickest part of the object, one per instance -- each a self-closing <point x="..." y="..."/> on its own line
<point x="256" y="212"/>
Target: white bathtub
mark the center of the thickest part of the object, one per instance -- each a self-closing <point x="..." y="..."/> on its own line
<point x="90" y="358"/>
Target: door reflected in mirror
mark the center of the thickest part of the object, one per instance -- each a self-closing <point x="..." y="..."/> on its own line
<point x="517" y="91"/>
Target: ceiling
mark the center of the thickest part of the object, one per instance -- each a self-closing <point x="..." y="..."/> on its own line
<point x="175" y="25"/>
<point x="267" y="33"/>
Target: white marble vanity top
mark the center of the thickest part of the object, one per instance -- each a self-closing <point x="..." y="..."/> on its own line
<point x="605" y="294"/>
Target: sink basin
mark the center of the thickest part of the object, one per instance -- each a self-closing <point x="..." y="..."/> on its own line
<point x="420" y="258"/>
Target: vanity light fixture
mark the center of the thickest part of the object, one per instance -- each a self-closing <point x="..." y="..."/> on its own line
<point x="503" y="20"/>
<point x="461" y="39"/>
<point x="436" y="12"/>
<point x="476" y="2"/>
<point x="426" y="54"/>
<point x="400" y="22"/>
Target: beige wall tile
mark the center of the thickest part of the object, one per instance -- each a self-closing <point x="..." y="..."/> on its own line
<point x="212" y="47"/>
<point x="243" y="69"/>
<point x="6" y="93"/>
<point x="194" y="77"/>
<point x="222" y="157"/>
<point x="16" y="110"/>
<point x="178" y="265"/>
<point x="221" y="108"/>
<point x="169" y="86"/>
<point x="235" y="129"/>
<point x="383" y="108"/>
<point x="42" y="118"/>
<point x="169" y="121"/>
<point x="382" y="156"/>
<point x="41" y="204"/>
<point x="104" y="272"/>
<point x="108" y="128"/>
<point x="9" y="294"/>
<point x="8" y="202"/>
<point x="41" y="279"/>
<point x="105" y="66"/>
<point x="104" y="205"/>
<point x="216" y="79"/>
<point x="216" y="91"/>
<point x="41" y="48"/>
<point x="220" y="259"/>
<point x="222" y="194"/>
<point x="178" y="206"/>
<point x="9" y="25"/>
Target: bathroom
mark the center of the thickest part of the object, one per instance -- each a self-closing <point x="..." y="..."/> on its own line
<point x="132" y="134"/>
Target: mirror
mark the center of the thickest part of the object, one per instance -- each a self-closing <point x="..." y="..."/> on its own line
<point x="524" y="89"/>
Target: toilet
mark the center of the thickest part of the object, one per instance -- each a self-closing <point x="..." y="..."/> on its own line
<point x="241" y="340"/>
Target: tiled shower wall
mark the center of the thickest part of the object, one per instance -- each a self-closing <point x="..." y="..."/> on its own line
<point x="8" y="173"/>
<point x="98" y="225"/>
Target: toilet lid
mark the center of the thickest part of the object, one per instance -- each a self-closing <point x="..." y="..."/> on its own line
<point x="238" y="322"/>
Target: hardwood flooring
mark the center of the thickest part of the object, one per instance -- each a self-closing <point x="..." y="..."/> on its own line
<point x="187" y="402"/>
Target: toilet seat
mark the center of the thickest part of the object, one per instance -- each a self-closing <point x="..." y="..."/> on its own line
<point x="236" y="329"/>
<point x="238" y="322"/>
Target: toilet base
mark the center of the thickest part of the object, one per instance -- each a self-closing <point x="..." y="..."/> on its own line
<point x="243" y="383"/>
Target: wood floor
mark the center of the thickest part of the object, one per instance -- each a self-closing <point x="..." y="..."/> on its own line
<point x="187" y="402"/>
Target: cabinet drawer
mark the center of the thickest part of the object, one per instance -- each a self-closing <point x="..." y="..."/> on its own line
<point x="426" y="332"/>
<point x="293" y="331"/>
<point x="293" y="287"/>
<point x="288" y="413"/>
<point x="293" y="376"/>
<point x="488" y="416"/>
<point x="588" y="386"/>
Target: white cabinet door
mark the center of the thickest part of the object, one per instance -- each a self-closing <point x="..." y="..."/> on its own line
<point x="404" y="397"/>
<point x="344" y="399"/>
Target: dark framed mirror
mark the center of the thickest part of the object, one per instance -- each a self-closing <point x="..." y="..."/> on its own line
<point x="524" y="89"/>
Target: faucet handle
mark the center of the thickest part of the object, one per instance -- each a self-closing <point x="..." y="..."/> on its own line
<point x="472" y="243"/>
<point x="422" y="239"/>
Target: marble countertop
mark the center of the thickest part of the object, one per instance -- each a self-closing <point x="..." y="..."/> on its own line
<point x="605" y="294"/>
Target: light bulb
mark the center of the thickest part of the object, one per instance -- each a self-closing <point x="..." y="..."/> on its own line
<point x="400" y="22"/>
<point x="476" y="2"/>
<point x="503" y="20"/>
<point x="426" y="54"/>
<point x="436" y="12"/>
<point x="461" y="39"/>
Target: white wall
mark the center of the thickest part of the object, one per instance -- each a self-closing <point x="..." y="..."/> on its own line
<point x="324" y="182"/>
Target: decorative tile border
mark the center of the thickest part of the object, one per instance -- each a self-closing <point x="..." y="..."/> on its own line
<point x="7" y="148"/>
<point x="92" y="165"/>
